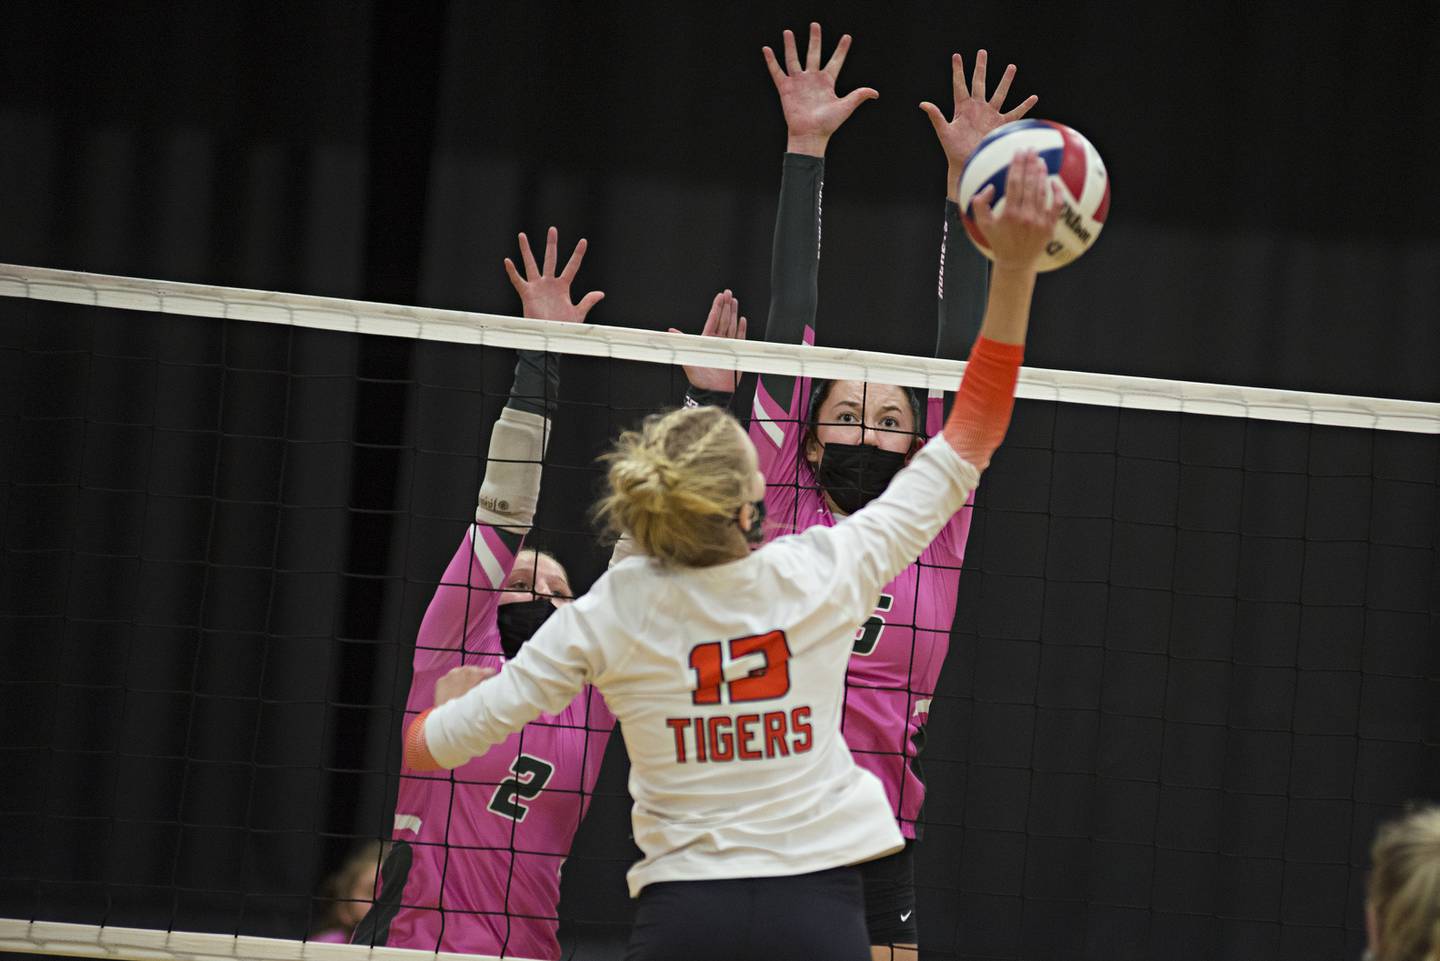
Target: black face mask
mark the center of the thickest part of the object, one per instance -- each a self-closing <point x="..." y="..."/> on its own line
<point x="519" y="621"/>
<point x="756" y="534"/>
<point x="855" y="474"/>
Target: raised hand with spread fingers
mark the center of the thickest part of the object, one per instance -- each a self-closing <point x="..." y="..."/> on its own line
<point x="974" y="115"/>
<point x="813" y="111"/>
<point x="544" y="294"/>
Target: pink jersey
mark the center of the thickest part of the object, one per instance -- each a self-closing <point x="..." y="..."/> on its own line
<point x="899" y="650"/>
<point x="489" y="838"/>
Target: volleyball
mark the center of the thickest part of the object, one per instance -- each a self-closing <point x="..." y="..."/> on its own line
<point x="1076" y="172"/>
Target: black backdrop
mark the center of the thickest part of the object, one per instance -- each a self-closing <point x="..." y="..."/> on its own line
<point x="1138" y="764"/>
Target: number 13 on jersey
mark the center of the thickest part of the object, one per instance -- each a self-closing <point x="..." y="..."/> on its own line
<point x="765" y="659"/>
<point x="768" y="679"/>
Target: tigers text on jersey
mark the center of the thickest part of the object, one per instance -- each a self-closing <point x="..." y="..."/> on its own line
<point x="489" y="839"/>
<point x="901" y="647"/>
<point x="729" y="685"/>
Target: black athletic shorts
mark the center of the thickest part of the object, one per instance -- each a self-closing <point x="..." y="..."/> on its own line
<point x="801" y="918"/>
<point x="890" y="897"/>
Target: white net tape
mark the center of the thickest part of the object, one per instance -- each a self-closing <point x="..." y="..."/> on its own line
<point x="137" y="944"/>
<point x="494" y="330"/>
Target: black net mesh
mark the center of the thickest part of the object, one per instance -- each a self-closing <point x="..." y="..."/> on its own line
<point x="1195" y="659"/>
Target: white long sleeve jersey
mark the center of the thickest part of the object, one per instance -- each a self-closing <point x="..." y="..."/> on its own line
<point x="729" y="685"/>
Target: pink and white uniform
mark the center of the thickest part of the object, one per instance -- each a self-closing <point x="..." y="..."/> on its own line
<point x="489" y="838"/>
<point x="900" y="649"/>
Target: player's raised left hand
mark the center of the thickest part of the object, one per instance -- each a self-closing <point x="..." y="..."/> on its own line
<point x="544" y="294"/>
<point x="724" y="321"/>
<point x="458" y="680"/>
<point x="974" y="115"/>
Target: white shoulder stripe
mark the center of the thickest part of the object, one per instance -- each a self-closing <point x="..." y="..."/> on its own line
<point x="489" y="563"/>
<point x="760" y="416"/>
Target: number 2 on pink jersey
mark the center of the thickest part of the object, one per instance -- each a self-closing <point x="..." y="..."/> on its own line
<point x="770" y="680"/>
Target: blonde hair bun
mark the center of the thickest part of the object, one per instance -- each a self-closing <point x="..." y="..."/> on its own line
<point x="677" y="484"/>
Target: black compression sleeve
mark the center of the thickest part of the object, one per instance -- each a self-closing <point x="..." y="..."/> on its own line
<point x="536" y="388"/>
<point x="794" y="260"/>
<point x="964" y="286"/>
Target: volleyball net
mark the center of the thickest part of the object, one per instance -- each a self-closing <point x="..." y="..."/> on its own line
<point x="1193" y="661"/>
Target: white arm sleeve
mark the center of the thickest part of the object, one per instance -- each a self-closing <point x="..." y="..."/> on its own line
<point x="511" y="488"/>
<point x="544" y="677"/>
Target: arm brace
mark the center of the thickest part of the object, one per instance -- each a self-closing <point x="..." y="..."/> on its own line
<point x="511" y="488"/>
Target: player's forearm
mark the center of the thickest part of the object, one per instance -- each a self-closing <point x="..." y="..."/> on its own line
<point x="794" y="266"/>
<point x="454" y="732"/>
<point x="981" y="413"/>
<point x="963" y="289"/>
<point x="511" y="488"/>
<point x="795" y="255"/>
<point x="536" y="387"/>
<point x="1007" y="313"/>
<point x="447" y="736"/>
<point x="807" y="145"/>
<point x="952" y="182"/>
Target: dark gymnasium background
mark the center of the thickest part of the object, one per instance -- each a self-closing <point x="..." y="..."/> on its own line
<point x="1196" y="658"/>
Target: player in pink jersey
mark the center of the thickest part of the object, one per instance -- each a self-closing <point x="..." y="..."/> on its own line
<point x="475" y="866"/>
<point x="726" y="663"/>
<point x="830" y="447"/>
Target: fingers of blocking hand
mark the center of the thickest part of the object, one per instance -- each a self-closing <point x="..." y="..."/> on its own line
<point x="726" y="318"/>
<point x="812" y="51"/>
<point x="858" y="96"/>
<point x="588" y="301"/>
<point x="712" y="319"/>
<point x="776" y="74"/>
<point x="1021" y="110"/>
<point x="837" y="59"/>
<point x="732" y="312"/>
<point x="1003" y="87"/>
<point x="937" y="119"/>
<point x="514" y="275"/>
<point x="957" y="79"/>
<point x="977" y="80"/>
<point x="527" y="258"/>
<point x="792" y="58"/>
<point x="572" y="266"/>
<point x="552" y="244"/>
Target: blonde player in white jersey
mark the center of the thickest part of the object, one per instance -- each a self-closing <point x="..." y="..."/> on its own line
<point x="726" y="665"/>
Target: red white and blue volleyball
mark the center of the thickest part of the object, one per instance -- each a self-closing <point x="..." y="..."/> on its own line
<point x="1077" y="175"/>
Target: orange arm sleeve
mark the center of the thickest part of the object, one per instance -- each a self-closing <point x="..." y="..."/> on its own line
<point x="417" y="752"/>
<point x="981" y="412"/>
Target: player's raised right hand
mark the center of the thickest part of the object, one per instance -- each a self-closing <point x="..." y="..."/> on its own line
<point x="1018" y="234"/>
<point x="973" y="116"/>
<point x="723" y="321"/>
<point x="544" y="294"/>
<point x="813" y="112"/>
